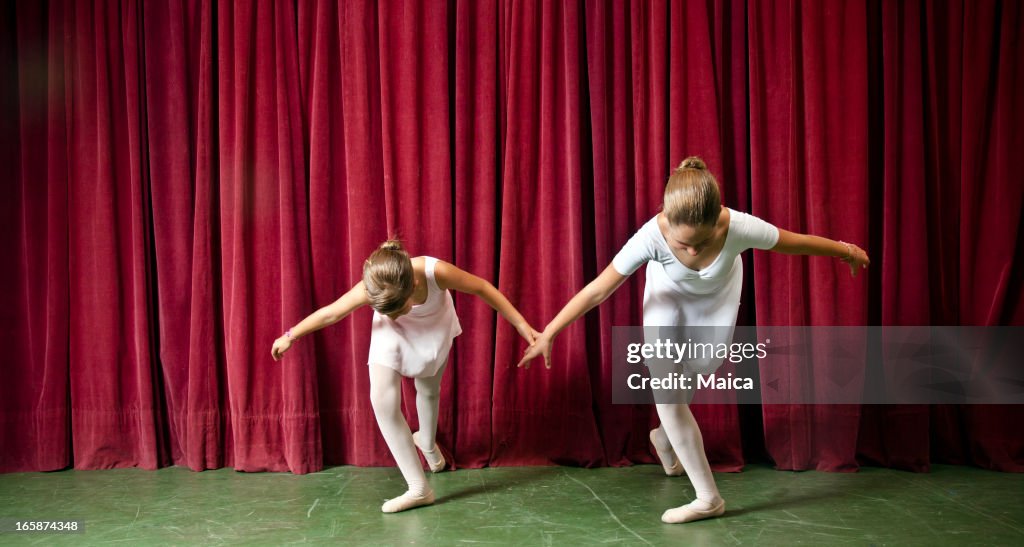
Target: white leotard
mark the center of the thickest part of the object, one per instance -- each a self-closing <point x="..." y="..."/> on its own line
<point x="676" y="295"/>
<point x="417" y="343"/>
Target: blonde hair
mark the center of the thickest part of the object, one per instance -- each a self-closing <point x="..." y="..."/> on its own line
<point x="691" y="195"/>
<point x="388" y="277"/>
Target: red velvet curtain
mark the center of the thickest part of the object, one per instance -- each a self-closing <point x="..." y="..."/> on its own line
<point x="189" y="177"/>
<point x="809" y="145"/>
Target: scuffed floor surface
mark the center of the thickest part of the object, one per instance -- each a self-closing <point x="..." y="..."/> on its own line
<point x="525" y="505"/>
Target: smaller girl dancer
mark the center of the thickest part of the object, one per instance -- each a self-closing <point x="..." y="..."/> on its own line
<point x="414" y="323"/>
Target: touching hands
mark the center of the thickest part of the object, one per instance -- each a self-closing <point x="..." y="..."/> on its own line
<point x="527" y="332"/>
<point x="281" y="345"/>
<point x="541" y="346"/>
<point x="857" y="259"/>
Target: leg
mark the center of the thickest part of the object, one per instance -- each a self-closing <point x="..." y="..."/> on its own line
<point x="428" y="397"/>
<point x="386" y="398"/>
<point x="682" y="431"/>
<point x="666" y="455"/>
<point x="665" y="304"/>
<point x="665" y="369"/>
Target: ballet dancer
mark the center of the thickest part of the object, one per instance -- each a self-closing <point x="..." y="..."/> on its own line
<point x="694" y="278"/>
<point x="414" y="323"/>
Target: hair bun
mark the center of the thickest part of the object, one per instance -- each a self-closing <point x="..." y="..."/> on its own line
<point x="693" y="162"/>
<point x="391" y="245"/>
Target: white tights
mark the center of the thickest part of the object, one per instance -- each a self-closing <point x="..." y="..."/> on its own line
<point x="680" y="427"/>
<point x="386" y="398"/>
<point x="677" y="424"/>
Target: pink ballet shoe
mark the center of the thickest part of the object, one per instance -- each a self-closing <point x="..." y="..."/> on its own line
<point x="435" y="459"/>
<point x="407" y="501"/>
<point x="675" y="468"/>
<point x="683" y="514"/>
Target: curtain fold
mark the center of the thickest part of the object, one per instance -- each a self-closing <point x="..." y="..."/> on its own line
<point x="476" y="168"/>
<point x="34" y="408"/>
<point x="264" y="239"/>
<point x="340" y="76"/>
<point x="809" y="173"/>
<point x="112" y="370"/>
<point x="188" y="178"/>
<point x="542" y="416"/>
<point x="991" y="196"/>
<point x="183" y="183"/>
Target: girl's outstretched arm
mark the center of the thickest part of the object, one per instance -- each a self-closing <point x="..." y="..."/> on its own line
<point x="792" y="243"/>
<point x="594" y="293"/>
<point x="325" y="316"/>
<point x="449" y="276"/>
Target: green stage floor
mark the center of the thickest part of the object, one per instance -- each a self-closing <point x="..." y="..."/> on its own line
<point x="524" y="506"/>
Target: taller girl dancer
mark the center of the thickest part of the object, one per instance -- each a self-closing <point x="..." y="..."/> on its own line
<point x="694" y="278"/>
<point x="414" y="323"/>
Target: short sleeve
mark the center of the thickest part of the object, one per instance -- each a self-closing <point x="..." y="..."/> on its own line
<point x="757" y="234"/>
<point x="635" y="253"/>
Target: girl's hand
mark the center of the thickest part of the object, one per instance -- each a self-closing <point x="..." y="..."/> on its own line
<point x="857" y="259"/>
<point x="541" y="346"/>
<point x="527" y="332"/>
<point x="281" y="345"/>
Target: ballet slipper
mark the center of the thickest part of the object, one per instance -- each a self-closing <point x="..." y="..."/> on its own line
<point x="686" y="513"/>
<point x="407" y="501"/>
<point x="673" y="469"/>
<point x="435" y="459"/>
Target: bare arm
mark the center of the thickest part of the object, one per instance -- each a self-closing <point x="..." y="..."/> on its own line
<point x="588" y="298"/>
<point x="323" y="317"/>
<point x="449" y="276"/>
<point x="792" y="243"/>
